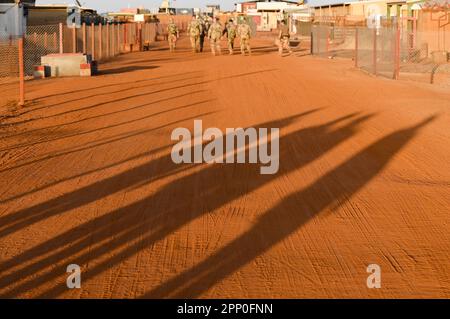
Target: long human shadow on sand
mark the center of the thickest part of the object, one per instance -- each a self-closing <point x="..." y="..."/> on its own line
<point x="140" y="225"/>
<point x="288" y="216"/>
<point x="144" y="173"/>
<point x="103" y="141"/>
<point x="195" y="81"/>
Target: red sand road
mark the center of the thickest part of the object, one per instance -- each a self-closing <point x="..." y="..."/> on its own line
<point x="86" y="177"/>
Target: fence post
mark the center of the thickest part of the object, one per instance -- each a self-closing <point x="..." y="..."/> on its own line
<point x="74" y="39"/>
<point x="93" y="40"/>
<point x="328" y="39"/>
<point x="139" y="35"/>
<point x="375" y="51"/>
<point x="100" y="49"/>
<point x="318" y="33"/>
<point x="118" y="39"/>
<point x="356" y="47"/>
<point x="119" y="48"/>
<point x="113" y="40"/>
<point x="84" y="38"/>
<point x="125" y="36"/>
<point x="61" y="30"/>
<point x="21" y="74"/>
<point x="397" y="54"/>
<point x="107" y="41"/>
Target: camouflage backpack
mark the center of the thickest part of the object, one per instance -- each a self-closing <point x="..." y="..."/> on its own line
<point x="216" y="30"/>
<point x="245" y="31"/>
<point x="194" y="29"/>
<point x="172" y="28"/>
<point x="231" y="28"/>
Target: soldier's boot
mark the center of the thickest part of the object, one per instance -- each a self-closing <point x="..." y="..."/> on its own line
<point x="198" y="44"/>
<point x="192" y="44"/>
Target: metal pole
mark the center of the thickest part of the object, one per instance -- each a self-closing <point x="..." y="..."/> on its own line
<point x="93" y="40"/>
<point x="21" y="74"/>
<point x="100" y="49"/>
<point x="113" y="39"/>
<point x="118" y="39"/>
<point x="140" y="39"/>
<point x="84" y="38"/>
<point x="125" y="38"/>
<point x="356" y="47"/>
<point x="319" y="33"/>
<point x="107" y="41"/>
<point x="397" y="54"/>
<point x="375" y="51"/>
<point x="74" y="39"/>
<point x="61" y="30"/>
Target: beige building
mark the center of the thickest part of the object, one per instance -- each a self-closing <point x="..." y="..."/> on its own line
<point x="369" y="8"/>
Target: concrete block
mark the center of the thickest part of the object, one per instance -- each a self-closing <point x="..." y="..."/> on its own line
<point x="439" y="56"/>
<point x="66" y="64"/>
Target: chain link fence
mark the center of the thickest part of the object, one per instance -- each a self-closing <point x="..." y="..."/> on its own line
<point x="333" y="41"/>
<point x="302" y="28"/>
<point x="9" y="73"/>
<point x="376" y="51"/>
<point x="102" y="42"/>
<point x="399" y="49"/>
<point x="39" y="41"/>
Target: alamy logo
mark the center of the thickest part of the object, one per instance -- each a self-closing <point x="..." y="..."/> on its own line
<point x="229" y="148"/>
<point x="73" y="17"/>
<point x="73" y="281"/>
<point x="374" y="279"/>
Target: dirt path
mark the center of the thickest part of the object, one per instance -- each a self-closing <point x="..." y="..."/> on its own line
<point x="86" y="177"/>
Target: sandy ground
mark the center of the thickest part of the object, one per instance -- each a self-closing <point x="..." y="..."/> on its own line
<point x="86" y="177"/>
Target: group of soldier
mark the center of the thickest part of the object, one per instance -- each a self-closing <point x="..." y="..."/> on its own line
<point x="200" y="28"/>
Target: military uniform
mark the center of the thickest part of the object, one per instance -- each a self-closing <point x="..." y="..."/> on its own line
<point x="173" y="33"/>
<point x="231" y="34"/>
<point x="194" y="31"/>
<point x="245" y="33"/>
<point x="204" y="33"/>
<point x="214" y="35"/>
<point x="284" y="37"/>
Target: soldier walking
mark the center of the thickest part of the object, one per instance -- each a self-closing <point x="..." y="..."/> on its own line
<point x="245" y="34"/>
<point x="284" y="37"/>
<point x="214" y="35"/>
<point x="194" y="30"/>
<point x="173" y="35"/>
<point x="231" y="32"/>
<point x="205" y="28"/>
